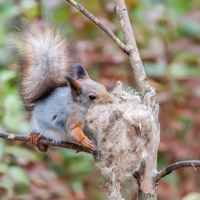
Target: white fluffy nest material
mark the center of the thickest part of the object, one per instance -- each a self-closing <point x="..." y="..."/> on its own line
<point x="123" y="134"/>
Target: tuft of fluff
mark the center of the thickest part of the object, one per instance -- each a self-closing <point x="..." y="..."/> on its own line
<point x="123" y="134"/>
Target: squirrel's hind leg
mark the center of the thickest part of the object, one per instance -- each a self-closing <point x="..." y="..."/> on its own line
<point x="34" y="141"/>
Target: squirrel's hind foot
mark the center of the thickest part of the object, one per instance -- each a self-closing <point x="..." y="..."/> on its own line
<point x="34" y="141"/>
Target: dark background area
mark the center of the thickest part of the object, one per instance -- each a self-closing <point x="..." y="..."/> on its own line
<point x="168" y="37"/>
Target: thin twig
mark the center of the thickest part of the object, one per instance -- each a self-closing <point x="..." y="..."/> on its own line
<point x="167" y="170"/>
<point x="11" y="136"/>
<point x="101" y="25"/>
<point x="134" y="56"/>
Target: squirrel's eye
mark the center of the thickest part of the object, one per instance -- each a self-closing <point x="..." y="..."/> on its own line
<point x="92" y="97"/>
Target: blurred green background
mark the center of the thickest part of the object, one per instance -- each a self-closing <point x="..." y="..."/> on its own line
<point x="168" y="36"/>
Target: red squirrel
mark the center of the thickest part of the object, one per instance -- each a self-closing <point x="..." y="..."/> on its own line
<point x="54" y="88"/>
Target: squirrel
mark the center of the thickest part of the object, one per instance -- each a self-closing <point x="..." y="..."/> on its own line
<point x="56" y="89"/>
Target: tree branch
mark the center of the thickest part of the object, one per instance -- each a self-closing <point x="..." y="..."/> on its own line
<point x="136" y="63"/>
<point x="167" y="170"/>
<point x="11" y="136"/>
<point x="101" y="25"/>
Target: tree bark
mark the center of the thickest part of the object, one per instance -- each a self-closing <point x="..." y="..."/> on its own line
<point x="144" y="196"/>
<point x="147" y="185"/>
<point x="134" y="56"/>
<point x="167" y="170"/>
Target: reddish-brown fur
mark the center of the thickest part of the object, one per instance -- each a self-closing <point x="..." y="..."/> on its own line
<point x="79" y="137"/>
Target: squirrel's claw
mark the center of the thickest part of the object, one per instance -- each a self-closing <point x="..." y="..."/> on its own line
<point x="86" y="143"/>
<point x="79" y="137"/>
<point x="34" y="139"/>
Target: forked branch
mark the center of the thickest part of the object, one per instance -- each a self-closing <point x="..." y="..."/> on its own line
<point x="167" y="170"/>
<point x="11" y="136"/>
<point x="130" y="48"/>
<point x="101" y="25"/>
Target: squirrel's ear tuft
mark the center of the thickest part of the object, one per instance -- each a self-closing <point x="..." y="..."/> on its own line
<point x="76" y="88"/>
<point x="79" y="72"/>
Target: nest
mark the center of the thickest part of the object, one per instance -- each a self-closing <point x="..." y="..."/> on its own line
<point x="122" y="132"/>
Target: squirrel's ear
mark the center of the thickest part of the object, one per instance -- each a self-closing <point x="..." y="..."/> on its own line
<point x="79" y="72"/>
<point x="76" y="88"/>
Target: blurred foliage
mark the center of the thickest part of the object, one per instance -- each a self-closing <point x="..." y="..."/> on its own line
<point x="168" y="36"/>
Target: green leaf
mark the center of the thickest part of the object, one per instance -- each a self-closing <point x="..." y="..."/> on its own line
<point x="3" y="168"/>
<point x="192" y="196"/>
<point x="19" y="179"/>
<point x="77" y="185"/>
<point x="22" y="153"/>
<point x="187" y="123"/>
<point x="155" y="70"/>
<point x="179" y="71"/>
<point x="6" y="75"/>
<point x="191" y="28"/>
<point x="2" y="147"/>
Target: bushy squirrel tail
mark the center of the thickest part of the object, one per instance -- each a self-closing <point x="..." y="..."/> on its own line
<point x="46" y="58"/>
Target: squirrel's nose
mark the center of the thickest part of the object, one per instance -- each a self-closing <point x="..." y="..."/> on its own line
<point x="108" y="98"/>
<point x="110" y="101"/>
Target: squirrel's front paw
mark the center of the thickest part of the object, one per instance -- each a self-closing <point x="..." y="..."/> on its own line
<point x="79" y="137"/>
<point x="86" y="143"/>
